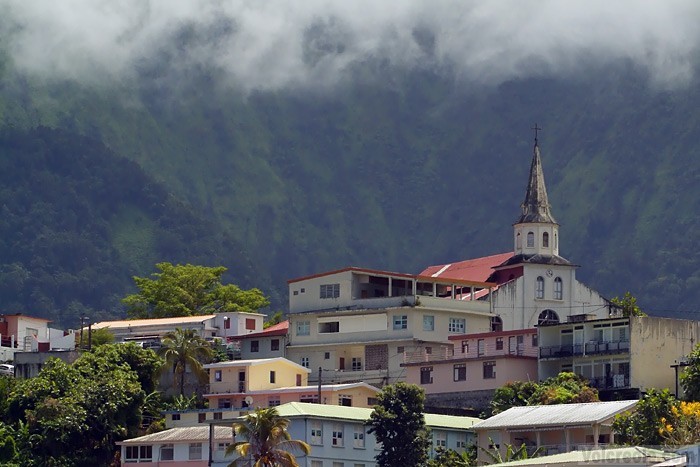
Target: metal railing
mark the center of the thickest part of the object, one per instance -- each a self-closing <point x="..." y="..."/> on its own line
<point x="589" y="348"/>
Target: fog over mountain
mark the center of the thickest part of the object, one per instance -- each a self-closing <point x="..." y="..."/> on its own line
<point x="275" y="44"/>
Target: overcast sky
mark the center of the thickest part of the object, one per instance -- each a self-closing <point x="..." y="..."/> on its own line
<point x="271" y="44"/>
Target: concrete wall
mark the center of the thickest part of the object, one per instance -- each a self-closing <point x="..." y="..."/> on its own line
<point x="655" y="345"/>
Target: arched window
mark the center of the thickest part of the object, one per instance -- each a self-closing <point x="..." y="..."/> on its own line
<point x="518" y="241"/>
<point x="539" y="287"/>
<point x="558" y="289"/>
<point x="548" y="317"/>
<point x="496" y="323"/>
<point x="545" y="240"/>
<point x="530" y="240"/>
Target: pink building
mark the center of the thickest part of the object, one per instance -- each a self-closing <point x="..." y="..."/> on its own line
<point x="479" y="362"/>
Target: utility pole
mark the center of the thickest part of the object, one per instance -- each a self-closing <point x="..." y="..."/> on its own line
<point x="82" y="318"/>
<point x="320" y="377"/>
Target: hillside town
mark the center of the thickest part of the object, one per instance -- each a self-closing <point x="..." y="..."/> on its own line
<point x="459" y="331"/>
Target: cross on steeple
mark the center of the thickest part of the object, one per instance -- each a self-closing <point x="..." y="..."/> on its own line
<point x="536" y="129"/>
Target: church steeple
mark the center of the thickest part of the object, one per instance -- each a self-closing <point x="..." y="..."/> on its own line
<point x="536" y="206"/>
<point x="536" y="232"/>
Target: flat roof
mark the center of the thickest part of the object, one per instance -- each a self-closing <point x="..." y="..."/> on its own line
<point x="308" y="389"/>
<point x="539" y="416"/>
<point x="254" y="362"/>
<point x="125" y="323"/>
<point x="614" y="456"/>
<point x="514" y="332"/>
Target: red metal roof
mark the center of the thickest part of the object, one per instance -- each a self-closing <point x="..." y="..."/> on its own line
<point x="477" y="269"/>
<point x="279" y="329"/>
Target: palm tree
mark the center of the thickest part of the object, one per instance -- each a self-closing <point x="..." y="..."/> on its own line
<point x="268" y="443"/>
<point x="182" y="349"/>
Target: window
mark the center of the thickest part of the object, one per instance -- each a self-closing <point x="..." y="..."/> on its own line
<point x="218" y="416"/>
<point x="356" y="364"/>
<point x="316" y="463"/>
<point x="461" y="442"/>
<point x="305" y="362"/>
<point x="316" y="433"/>
<point x="225" y="403"/>
<point x="167" y="452"/>
<point x="548" y="317"/>
<point x="400" y="349"/>
<point x="254" y="346"/>
<point x="217" y="375"/>
<point x="227" y="324"/>
<point x="338" y="464"/>
<point x="460" y="372"/>
<point x="372" y="401"/>
<point x="310" y="398"/>
<point x="496" y="323"/>
<point x="176" y="417"/>
<point x="558" y="289"/>
<point x="333" y="326"/>
<point x="296" y="292"/>
<point x="518" y="241"/>
<point x="499" y="343"/>
<point x="250" y="324"/>
<point x="273" y="401"/>
<point x="426" y="375"/>
<point x="545" y="240"/>
<point x="539" y="287"/>
<point x="489" y="370"/>
<point x="480" y="347"/>
<point x="274" y="344"/>
<point x="330" y="290"/>
<point x="327" y="356"/>
<point x="139" y="453"/>
<point x="457" y="325"/>
<point x="202" y="417"/>
<point x="440" y="439"/>
<point x="530" y="240"/>
<point x="400" y="322"/>
<point x="428" y="323"/>
<point x="303" y="290"/>
<point x="195" y="451"/>
<point x="337" y="437"/>
<point x="272" y="376"/>
<point x="534" y="340"/>
<point x="345" y="400"/>
<point x="465" y="347"/>
<point x="359" y="437"/>
<point x="303" y="328"/>
<point x="221" y="447"/>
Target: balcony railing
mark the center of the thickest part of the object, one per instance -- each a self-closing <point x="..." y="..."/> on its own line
<point x="620" y="381"/>
<point x="589" y="348"/>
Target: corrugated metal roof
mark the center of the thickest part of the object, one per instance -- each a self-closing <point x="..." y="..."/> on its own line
<point x="615" y="456"/>
<point x="555" y="415"/>
<point x="152" y="322"/>
<point x="182" y="435"/>
<point x="477" y="269"/>
<point x="279" y="329"/>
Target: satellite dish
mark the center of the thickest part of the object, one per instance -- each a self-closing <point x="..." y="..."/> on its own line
<point x="249" y="401"/>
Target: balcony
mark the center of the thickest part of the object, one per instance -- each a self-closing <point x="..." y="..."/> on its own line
<point x="619" y="381"/>
<point x="589" y="348"/>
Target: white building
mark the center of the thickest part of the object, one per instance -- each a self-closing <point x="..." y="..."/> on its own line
<point x="357" y="324"/>
<point x="535" y="284"/>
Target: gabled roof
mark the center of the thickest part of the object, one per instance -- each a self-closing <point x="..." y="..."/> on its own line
<point x="279" y="329"/>
<point x="303" y="409"/>
<point x="536" y="206"/>
<point x="254" y="362"/>
<point x="181" y="435"/>
<point x="152" y="322"/>
<point x="538" y="416"/>
<point x="477" y="269"/>
<point x="615" y="456"/>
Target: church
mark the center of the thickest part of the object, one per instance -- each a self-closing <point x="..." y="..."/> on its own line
<point x="534" y="284"/>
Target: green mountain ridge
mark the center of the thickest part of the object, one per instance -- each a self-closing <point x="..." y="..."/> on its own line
<point x="401" y="173"/>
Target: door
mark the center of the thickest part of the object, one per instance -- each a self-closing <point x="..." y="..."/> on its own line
<point x="341" y="365"/>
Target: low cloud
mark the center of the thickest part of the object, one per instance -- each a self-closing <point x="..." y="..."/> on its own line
<point x="273" y="44"/>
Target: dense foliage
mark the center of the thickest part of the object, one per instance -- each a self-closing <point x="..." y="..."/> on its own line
<point x="690" y="376"/>
<point x="646" y="424"/>
<point x="565" y="388"/>
<point x="189" y="290"/>
<point x="399" y="425"/>
<point x="377" y="172"/>
<point x="183" y="350"/>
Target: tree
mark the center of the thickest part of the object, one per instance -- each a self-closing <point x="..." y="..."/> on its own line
<point x="452" y="458"/>
<point x="184" y="349"/>
<point x="399" y="425"/>
<point x="644" y="426"/>
<point x="627" y="305"/>
<point x="276" y="318"/>
<point x="690" y="376"/>
<point x="189" y="290"/>
<point x="565" y="388"/>
<point x="683" y="428"/>
<point x="268" y="444"/>
<point x="512" y="453"/>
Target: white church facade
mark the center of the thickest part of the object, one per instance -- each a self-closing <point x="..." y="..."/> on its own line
<point x="535" y="285"/>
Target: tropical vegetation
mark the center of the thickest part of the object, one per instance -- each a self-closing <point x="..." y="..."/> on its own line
<point x="267" y="442"/>
<point x="184" y="349"/>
